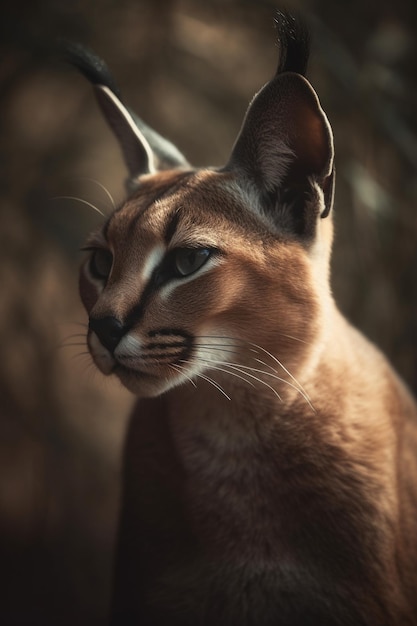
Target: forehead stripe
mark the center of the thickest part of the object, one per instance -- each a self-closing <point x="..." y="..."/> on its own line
<point x="162" y="192"/>
<point x="171" y="226"/>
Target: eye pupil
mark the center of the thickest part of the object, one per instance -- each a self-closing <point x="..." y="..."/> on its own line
<point x="101" y="263"/>
<point x="189" y="260"/>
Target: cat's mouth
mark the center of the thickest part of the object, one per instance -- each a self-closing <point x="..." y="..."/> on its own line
<point x="135" y="360"/>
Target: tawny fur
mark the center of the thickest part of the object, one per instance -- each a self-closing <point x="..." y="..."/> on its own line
<point x="270" y="466"/>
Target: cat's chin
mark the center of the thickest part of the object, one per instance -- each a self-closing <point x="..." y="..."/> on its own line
<point x="142" y="384"/>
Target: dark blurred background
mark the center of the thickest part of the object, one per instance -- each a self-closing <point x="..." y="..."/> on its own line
<point x="189" y="69"/>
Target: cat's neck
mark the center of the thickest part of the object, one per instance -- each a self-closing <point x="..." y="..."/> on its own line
<point x="244" y="456"/>
<point x="230" y="413"/>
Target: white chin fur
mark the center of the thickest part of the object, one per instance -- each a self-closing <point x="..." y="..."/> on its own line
<point x="147" y="387"/>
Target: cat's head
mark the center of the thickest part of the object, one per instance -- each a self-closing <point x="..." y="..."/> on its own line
<point x="217" y="272"/>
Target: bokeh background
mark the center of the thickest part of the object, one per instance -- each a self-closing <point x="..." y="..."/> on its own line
<point x="189" y="68"/>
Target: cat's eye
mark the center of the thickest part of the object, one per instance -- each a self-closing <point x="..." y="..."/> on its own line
<point x="189" y="260"/>
<point x="101" y="262"/>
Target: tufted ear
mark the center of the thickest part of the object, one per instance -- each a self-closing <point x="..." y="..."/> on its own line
<point x="285" y="147"/>
<point x="144" y="150"/>
<point x="286" y="140"/>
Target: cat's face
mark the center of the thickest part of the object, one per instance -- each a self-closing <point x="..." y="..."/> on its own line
<point x="187" y="279"/>
<point x="215" y="274"/>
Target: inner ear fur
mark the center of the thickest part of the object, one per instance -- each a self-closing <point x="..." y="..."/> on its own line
<point x="137" y="152"/>
<point x="144" y="150"/>
<point x="286" y="142"/>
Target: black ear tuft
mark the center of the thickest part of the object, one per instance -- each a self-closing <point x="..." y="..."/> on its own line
<point x="89" y="65"/>
<point x="284" y="150"/>
<point x="144" y="150"/>
<point x="294" y="43"/>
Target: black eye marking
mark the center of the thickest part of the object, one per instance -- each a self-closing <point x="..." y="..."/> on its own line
<point x="178" y="263"/>
<point x="101" y="262"/>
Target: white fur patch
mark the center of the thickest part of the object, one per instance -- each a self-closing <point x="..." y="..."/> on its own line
<point x="129" y="346"/>
<point x="153" y="259"/>
<point x="133" y="128"/>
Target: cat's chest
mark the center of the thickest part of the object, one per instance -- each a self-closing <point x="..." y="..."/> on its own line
<point x="232" y="489"/>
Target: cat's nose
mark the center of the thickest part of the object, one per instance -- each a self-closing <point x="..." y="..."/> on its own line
<point x="108" y="329"/>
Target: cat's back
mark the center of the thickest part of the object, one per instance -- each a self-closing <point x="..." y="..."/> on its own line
<point x="369" y="412"/>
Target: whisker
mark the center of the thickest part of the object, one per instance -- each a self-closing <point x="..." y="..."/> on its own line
<point x="266" y="365"/>
<point x="218" y="347"/>
<point x="179" y="370"/>
<point x="233" y="340"/>
<point x="212" y="382"/>
<point x="221" y="348"/>
<point x="236" y="367"/>
<point x="80" y="200"/>
<point x="81" y="354"/>
<point x="255" y="348"/>
<point x="220" y="369"/>
<point x="106" y="191"/>
<point x="241" y="368"/>
<point x="255" y="369"/>
<point x="297" y="387"/>
<point x="91" y="372"/>
<point x="75" y="340"/>
<point x="83" y="324"/>
<point x="274" y="358"/>
<point x="236" y="339"/>
<point x="208" y="347"/>
<point x="294" y="338"/>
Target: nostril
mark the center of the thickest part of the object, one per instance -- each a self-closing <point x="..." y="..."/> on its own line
<point x="109" y="330"/>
